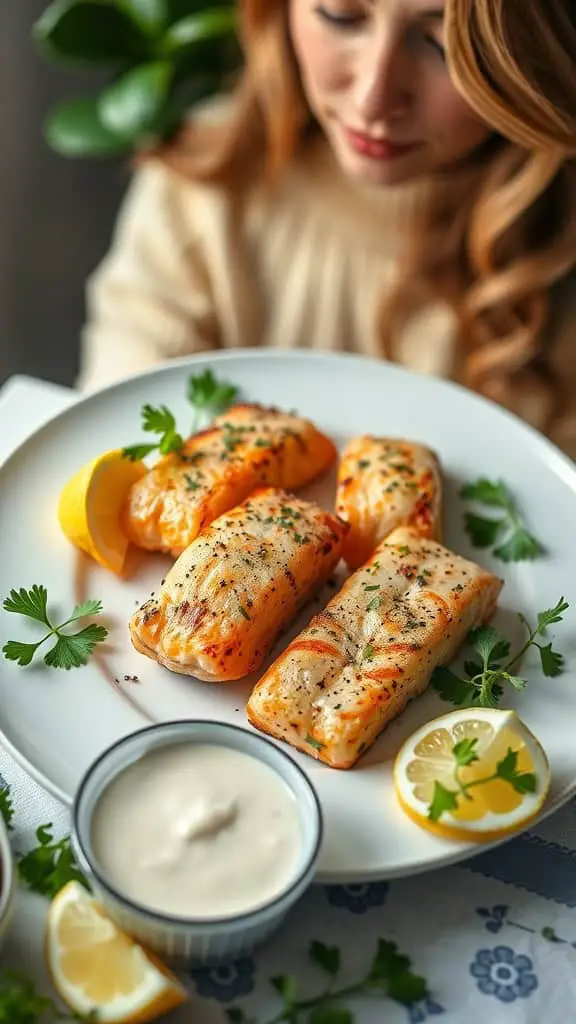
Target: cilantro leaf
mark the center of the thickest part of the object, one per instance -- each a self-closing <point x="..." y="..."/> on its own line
<point x="391" y="971"/>
<point x="326" y="957"/>
<point x="484" y="640"/>
<point x="387" y="963"/>
<point x="521" y="546"/>
<point x="84" y="609"/>
<point x="487" y="492"/>
<point x="443" y="800"/>
<point x="407" y="988"/>
<point x="71" y="649"/>
<point x="6" y="810"/>
<point x="552" y="615"/>
<point x="482" y="532"/>
<point x="50" y="865"/>
<point x="518" y="543"/>
<point x="465" y="752"/>
<point x="19" y="652"/>
<point x="137" y="452"/>
<point x="207" y="393"/>
<point x="451" y="688"/>
<point x="507" y="769"/>
<point x="552" y="662"/>
<point x="33" y="603"/>
<point x="158" y="420"/>
<point x="74" y="651"/>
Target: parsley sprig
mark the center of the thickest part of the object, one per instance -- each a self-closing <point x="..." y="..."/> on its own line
<point x="205" y="392"/>
<point x="21" y="1003"/>
<point x="390" y="975"/>
<point x="446" y="800"/>
<point x="516" y="543"/>
<point x="483" y="685"/>
<point x="71" y="650"/>
<point x="50" y="865"/>
<point x="158" y="421"/>
<point x="209" y="396"/>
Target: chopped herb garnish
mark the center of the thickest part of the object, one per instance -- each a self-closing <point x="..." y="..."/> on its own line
<point x="244" y="613"/>
<point x="317" y="744"/>
<point x="517" y="543"/>
<point x="374" y="604"/>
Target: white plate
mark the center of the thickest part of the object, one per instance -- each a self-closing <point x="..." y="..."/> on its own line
<point x="56" y="723"/>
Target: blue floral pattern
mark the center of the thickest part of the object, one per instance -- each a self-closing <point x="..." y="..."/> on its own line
<point x="225" y="982"/>
<point x="358" y="899"/>
<point x="495" y="917"/>
<point x="421" y="1012"/>
<point x="504" y="974"/>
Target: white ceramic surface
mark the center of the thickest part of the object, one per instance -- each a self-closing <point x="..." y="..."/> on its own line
<point x="56" y="723"/>
<point x="7" y="883"/>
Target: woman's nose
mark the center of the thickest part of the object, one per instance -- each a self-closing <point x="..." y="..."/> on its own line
<point x="382" y="89"/>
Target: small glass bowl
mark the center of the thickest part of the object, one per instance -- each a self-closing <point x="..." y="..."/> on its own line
<point x="183" y="941"/>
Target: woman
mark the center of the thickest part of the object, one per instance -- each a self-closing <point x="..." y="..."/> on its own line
<point x="393" y="177"/>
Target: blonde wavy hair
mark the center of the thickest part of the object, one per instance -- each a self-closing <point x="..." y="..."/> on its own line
<point x="500" y="229"/>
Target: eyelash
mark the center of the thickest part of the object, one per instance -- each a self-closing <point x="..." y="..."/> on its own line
<point x="349" y="21"/>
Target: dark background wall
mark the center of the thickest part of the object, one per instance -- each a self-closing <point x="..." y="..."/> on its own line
<point x="56" y="215"/>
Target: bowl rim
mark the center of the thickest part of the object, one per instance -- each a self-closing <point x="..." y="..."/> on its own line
<point x="245" y="917"/>
<point x="7" y="870"/>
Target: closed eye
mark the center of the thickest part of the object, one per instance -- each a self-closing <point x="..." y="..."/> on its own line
<point x="337" y="18"/>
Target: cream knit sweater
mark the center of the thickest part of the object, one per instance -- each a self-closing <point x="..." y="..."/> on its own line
<point x="302" y="266"/>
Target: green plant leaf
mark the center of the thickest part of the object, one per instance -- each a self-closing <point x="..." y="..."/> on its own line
<point x="74" y="129"/>
<point x="196" y="28"/>
<point x="130" y="106"/>
<point x="89" y="31"/>
<point x="150" y="15"/>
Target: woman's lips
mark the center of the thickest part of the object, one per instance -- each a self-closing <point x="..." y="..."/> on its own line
<point x="376" y="149"/>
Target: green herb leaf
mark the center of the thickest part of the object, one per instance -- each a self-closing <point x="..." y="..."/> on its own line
<point x="317" y="744"/>
<point x="20" y="1003"/>
<point x="551" y="615"/>
<point x="374" y="604"/>
<point x="465" y="752"/>
<point x="487" y="492"/>
<point x="518" y="544"/>
<point x="507" y="769"/>
<point x="74" y="651"/>
<point x="443" y="800"/>
<point x="368" y="653"/>
<point x="326" y="957"/>
<point x="7" y="811"/>
<point x="210" y="396"/>
<point x="50" y="865"/>
<point x="521" y="546"/>
<point x="407" y="988"/>
<point x="236" y="1016"/>
<point x="552" y="662"/>
<point x="70" y="650"/>
<point x="19" y="652"/>
<point x="482" y="532"/>
<point x="33" y="603"/>
<point x="484" y="640"/>
<point x="452" y="688"/>
<point x="137" y="452"/>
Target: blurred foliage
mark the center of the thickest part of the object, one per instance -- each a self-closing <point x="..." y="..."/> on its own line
<point x="163" y="57"/>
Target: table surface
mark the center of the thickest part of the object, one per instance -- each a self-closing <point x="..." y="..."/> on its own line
<point x="495" y="936"/>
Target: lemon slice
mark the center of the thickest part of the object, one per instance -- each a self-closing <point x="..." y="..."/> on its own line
<point x="95" y="966"/>
<point x="90" y="507"/>
<point x="476" y="774"/>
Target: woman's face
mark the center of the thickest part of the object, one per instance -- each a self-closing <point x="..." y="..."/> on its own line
<point x="376" y="80"/>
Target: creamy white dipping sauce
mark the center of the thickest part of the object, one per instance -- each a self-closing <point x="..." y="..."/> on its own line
<point x="197" y="830"/>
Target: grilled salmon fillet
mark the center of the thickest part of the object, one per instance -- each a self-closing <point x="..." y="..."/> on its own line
<point x="245" y="448"/>
<point x="374" y="647"/>
<point x="239" y="585"/>
<point x="384" y="483"/>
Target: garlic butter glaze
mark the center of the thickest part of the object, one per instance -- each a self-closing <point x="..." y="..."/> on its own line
<point x="197" y="830"/>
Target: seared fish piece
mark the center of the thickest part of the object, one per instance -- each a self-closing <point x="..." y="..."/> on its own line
<point x="374" y="648"/>
<point x="384" y="483"/>
<point x="239" y="585"/>
<point x="245" y="448"/>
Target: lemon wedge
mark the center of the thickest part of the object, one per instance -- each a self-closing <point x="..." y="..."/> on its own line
<point x="476" y="774"/>
<point x="90" y="507"/>
<point x="96" y="967"/>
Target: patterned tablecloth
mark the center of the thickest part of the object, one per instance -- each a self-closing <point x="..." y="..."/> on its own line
<point x="494" y="938"/>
